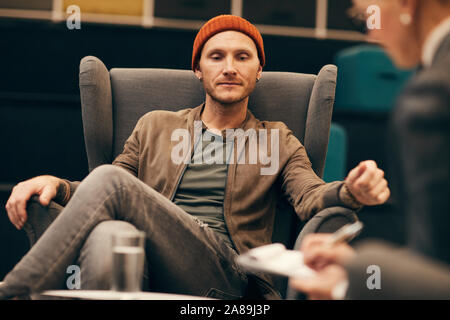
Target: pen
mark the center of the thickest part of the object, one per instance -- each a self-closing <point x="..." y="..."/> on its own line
<point x="346" y="233"/>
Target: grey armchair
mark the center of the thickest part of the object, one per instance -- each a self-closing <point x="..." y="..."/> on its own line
<point x="112" y="102"/>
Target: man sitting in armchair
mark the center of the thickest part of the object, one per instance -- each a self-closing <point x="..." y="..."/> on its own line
<point x="198" y="211"/>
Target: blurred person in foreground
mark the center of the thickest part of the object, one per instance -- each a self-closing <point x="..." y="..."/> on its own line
<point x="413" y="32"/>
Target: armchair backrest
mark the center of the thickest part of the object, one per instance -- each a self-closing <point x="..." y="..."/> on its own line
<point x="113" y="101"/>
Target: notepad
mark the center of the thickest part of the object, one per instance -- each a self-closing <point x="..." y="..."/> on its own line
<point x="275" y="259"/>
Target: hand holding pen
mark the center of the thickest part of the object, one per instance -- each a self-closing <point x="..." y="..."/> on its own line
<point x="327" y="254"/>
<point x="321" y="249"/>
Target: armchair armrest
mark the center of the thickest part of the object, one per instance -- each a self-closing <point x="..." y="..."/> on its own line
<point x="327" y="221"/>
<point x="39" y="218"/>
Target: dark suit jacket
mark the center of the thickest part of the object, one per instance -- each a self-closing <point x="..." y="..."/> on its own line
<point x="403" y="274"/>
<point x="421" y="127"/>
<point x="421" y="123"/>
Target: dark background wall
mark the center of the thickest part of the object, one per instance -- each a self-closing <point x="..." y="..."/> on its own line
<point x="40" y="116"/>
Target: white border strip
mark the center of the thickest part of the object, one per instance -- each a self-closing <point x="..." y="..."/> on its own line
<point x="112" y="19"/>
<point x="178" y="23"/>
<point x="321" y="18"/>
<point x="287" y="31"/>
<point x="57" y="12"/>
<point x="345" y="35"/>
<point x="148" y="20"/>
<point x="30" y="14"/>
<point x="148" y="13"/>
<point x="236" y="7"/>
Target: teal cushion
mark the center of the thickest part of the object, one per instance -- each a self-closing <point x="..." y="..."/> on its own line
<point x="367" y="79"/>
<point x="335" y="163"/>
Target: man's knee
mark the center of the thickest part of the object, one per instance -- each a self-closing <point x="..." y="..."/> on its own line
<point x="107" y="174"/>
<point x="108" y="171"/>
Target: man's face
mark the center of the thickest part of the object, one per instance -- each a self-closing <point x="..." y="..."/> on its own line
<point x="229" y="66"/>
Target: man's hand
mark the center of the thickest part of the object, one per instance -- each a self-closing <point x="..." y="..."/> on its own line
<point x="44" y="186"/>
<point x="367" y="184"/>
<point x="327" y="261"/>
<point x="317" y="255"/>
<point x="321" y="286"/>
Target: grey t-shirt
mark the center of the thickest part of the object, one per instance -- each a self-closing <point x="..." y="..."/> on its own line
<point x="202" y="188"/>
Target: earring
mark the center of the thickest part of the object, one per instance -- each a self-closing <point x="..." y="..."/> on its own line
<point x="201" y="79"/>
<point x="405" y="19"/>
<point x="257" y="79"/>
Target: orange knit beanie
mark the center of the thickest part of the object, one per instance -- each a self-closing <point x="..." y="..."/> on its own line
<point x="225" y="23"/>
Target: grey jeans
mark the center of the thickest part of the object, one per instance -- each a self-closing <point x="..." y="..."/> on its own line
<point x="183" y="255"/>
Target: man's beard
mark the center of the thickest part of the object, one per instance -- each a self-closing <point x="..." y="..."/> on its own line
<point x="241" y="98"/>
<point x="227" y="102"/>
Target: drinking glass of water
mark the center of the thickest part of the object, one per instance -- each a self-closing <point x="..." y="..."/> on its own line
<point x="128" y="255"/>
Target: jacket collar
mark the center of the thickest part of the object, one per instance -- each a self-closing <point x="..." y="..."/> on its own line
<point x="443" y="49"/>
<point x="434" y="42"/>
<point x="195" y="115"/>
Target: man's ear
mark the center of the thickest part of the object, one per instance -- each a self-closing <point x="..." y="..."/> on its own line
<point x="259" y="73"/>
<point x="198" y="72"/>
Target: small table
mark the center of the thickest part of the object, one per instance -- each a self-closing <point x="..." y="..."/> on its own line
<point x="115" y="295"/>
